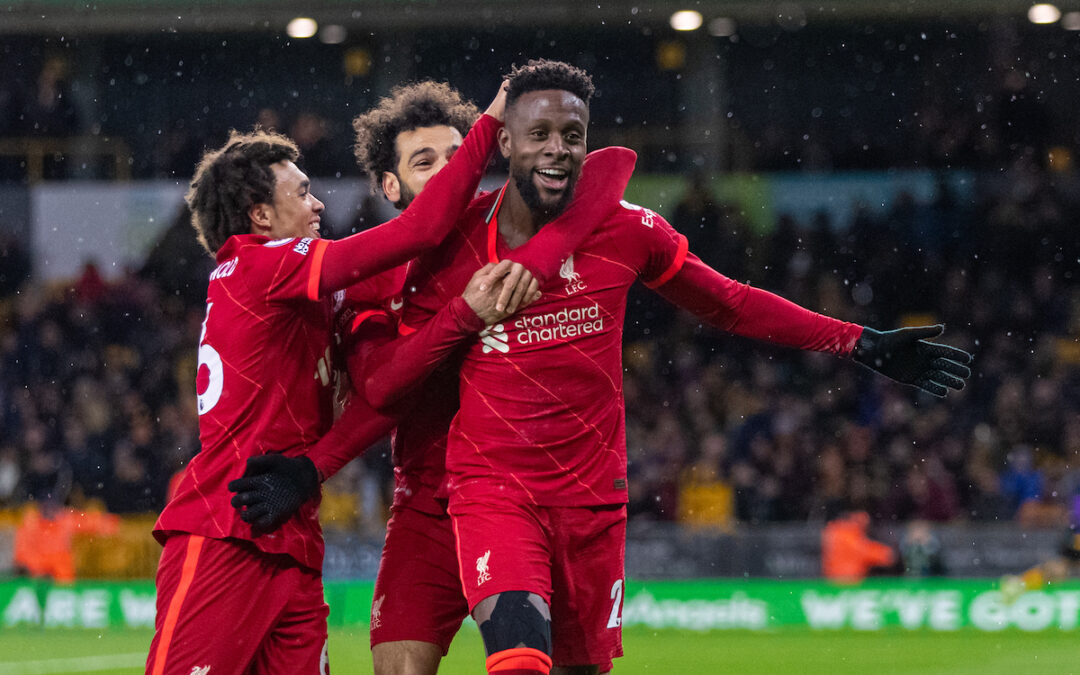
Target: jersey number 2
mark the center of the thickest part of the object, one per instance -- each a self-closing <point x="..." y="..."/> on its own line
<point x="615" y="620"/>
<point x="210" y="378"/>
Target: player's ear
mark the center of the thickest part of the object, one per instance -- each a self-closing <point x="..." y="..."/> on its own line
<point x="259" y="215"/>
<point x="504" y="142"/>
<point x="391" y="186"/>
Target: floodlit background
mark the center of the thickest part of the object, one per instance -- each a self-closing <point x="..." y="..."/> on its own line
<point x="884" y="163"/>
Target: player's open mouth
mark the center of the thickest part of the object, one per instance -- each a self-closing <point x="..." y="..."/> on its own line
<point x="553" y="179"/>
<point x="314" y="227"/>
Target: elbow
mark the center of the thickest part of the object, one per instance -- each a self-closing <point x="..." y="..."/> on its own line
<point x="379" y="398"/>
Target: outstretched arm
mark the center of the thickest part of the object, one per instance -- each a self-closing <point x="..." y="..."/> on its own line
<point x="903" y="355"/>
<point x="751" y="312"/>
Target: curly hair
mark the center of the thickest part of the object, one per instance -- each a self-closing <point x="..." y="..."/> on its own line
<point x="230" y="180"/>
<point x="411" y="106"/>
<point x="541" y="74"/>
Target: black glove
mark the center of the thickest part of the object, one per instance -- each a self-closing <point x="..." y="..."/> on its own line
<point x="272" y="488"/>
<point x="906" y="356"/>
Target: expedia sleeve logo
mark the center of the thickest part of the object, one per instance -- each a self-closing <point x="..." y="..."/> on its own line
<point x="648" y="218"/>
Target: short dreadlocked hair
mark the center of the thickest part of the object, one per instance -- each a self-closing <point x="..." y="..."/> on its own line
<point x="230" y="180"/>
<point x="411" y="106"/>
<point x="542" y="74"/>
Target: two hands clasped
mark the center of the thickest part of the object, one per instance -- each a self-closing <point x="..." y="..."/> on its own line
<point x="497" y="290"/>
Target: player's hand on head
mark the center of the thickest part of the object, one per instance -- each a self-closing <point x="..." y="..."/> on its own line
<point x="272" y="489"/>
<point x="906" y="355"/>
<point x="497" y="108"/>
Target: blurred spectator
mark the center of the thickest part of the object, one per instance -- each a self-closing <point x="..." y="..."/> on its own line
<point x="10" y="475"/>
<point x="43" y="538"/>
<point x="268" y="119"/>
<point x="698" y="217"/>
<point x="50" y="109"/>
<point x="920" y="551"/>
<point x="177" y="263"/>
<point x="1021" y="480"/>
<point x="847" y="553"/>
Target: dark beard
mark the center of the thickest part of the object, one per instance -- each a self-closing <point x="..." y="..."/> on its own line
<point x="406" y="196"/>
<point x="531" y="196"/>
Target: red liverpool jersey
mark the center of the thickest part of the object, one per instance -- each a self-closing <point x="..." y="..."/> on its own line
<point x="542" y="410"/>
<point x="264" y="384"/>
<point x="541" y="393"/>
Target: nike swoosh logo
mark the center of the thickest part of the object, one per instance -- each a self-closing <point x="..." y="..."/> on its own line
<point x="395" y="305"/>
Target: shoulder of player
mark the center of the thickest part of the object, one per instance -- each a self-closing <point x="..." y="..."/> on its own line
<point x="258" y="246"/>
<point x="634" y="216"/>
<point x="251" y="253"/>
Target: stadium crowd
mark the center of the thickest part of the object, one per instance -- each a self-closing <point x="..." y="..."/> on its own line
<point x="97" y="400"/>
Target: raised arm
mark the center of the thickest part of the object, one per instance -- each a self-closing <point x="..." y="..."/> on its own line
<point x="903" y="355"/>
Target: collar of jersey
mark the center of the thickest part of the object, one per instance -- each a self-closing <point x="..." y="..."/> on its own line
<point x="493" y="225"/>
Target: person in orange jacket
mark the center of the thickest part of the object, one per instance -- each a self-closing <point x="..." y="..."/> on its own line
<point x="43" y="539"/>
<point x="847" y="553"/>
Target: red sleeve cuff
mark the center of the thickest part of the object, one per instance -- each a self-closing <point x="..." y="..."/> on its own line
<point x="315" y="275"/>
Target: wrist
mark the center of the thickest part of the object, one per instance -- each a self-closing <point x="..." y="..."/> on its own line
<point x="488" y="118"/>
<point x="464" y="316"/>
<point x="308" y="476"/>
<point x="866" y="346"/>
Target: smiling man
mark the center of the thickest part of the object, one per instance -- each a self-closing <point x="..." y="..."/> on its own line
<point x="536" y="456"/>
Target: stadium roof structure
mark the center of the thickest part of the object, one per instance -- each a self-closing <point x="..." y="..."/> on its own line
<point x="88" y="17"/>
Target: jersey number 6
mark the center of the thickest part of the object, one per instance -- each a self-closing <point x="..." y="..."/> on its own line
<point x="209" y="380"/>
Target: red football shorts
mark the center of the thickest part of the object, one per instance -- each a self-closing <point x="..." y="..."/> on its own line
<point x="418" y="591"/>
<point x="223" y="606"/>
<point x="570" y="556"/>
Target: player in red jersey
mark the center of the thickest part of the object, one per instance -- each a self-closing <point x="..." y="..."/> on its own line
<point x="537" y="453"/>
<point x="418" y="604"/>
<point x="232" y="597"/>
